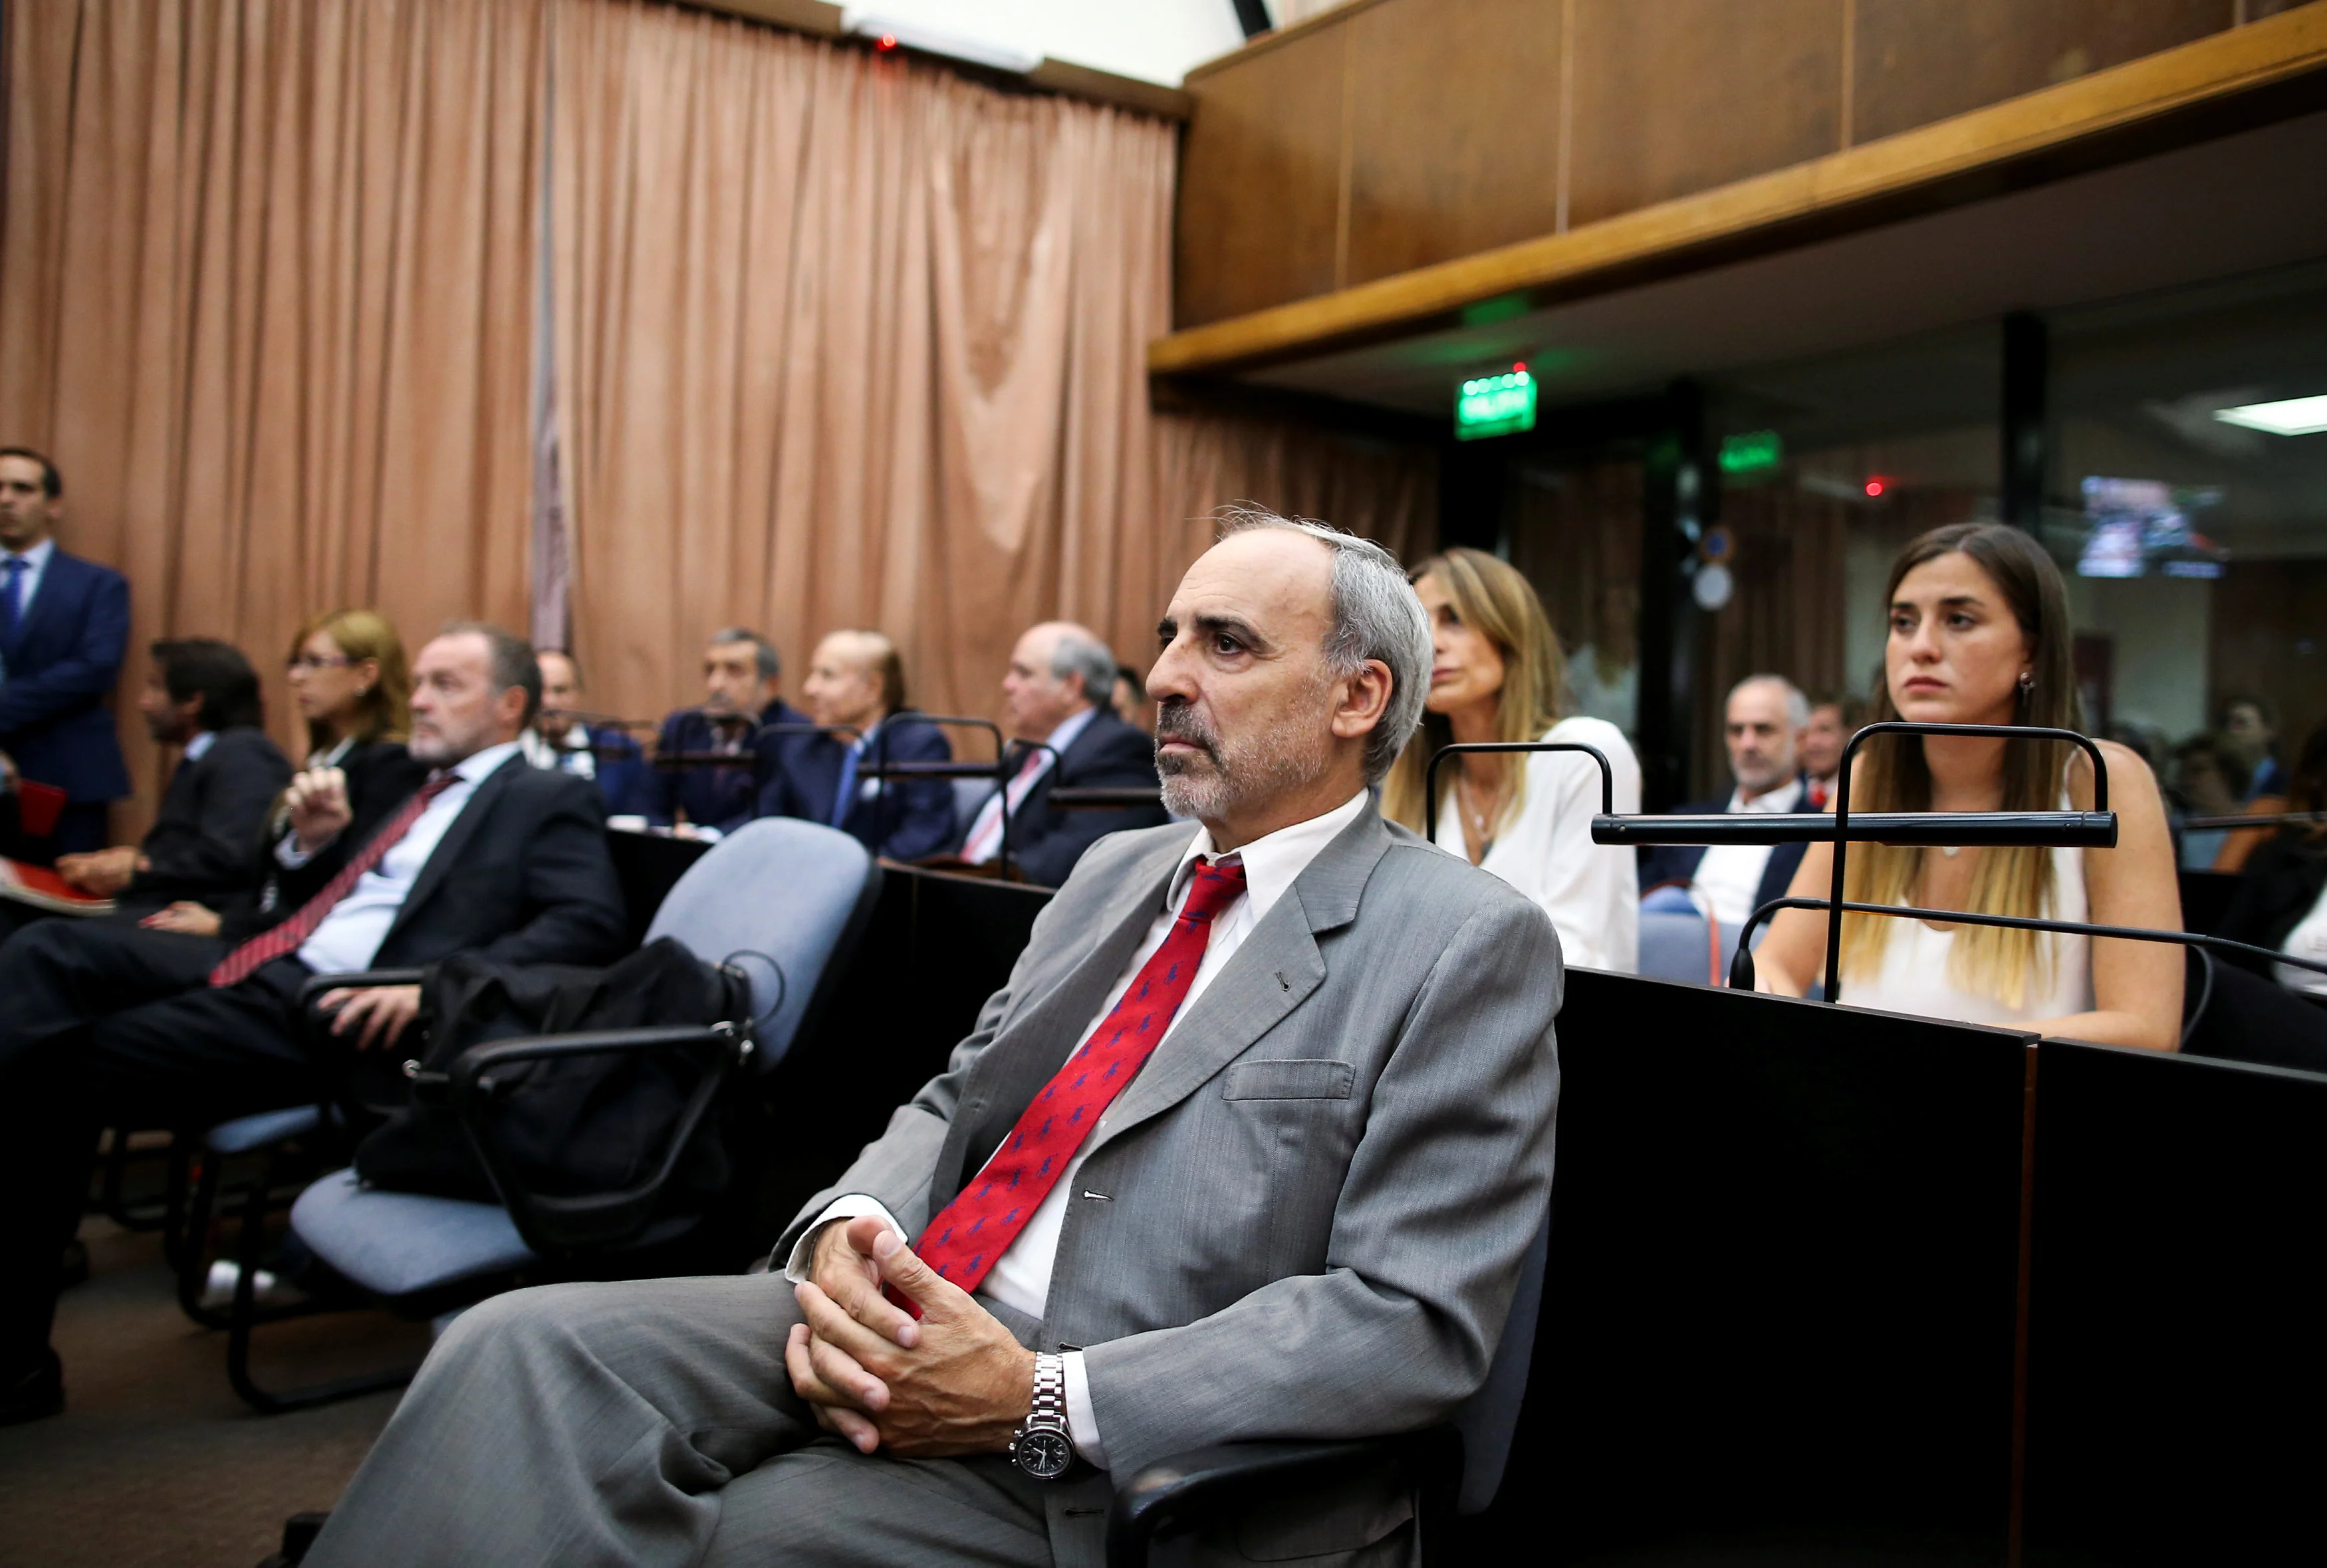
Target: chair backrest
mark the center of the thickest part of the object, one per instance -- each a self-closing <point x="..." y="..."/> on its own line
<point x="1488" y="1418"/>
<point x="1676" y="945"/>
<point x="968" y="797"/>
<point x="795" y="892"/>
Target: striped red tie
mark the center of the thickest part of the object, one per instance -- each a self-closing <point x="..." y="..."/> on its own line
<point x="972" y="1232"/>
<point x="294" y="932"/>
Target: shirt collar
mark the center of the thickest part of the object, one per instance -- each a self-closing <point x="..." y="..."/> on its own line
<point x="1784" y="798"/>
<point x="472" y="769"/>
<point x="1273" y="862"/>
<point x="1066" y="733"/>
<point x="37" y="556"/>
<point x="199" y="744"/>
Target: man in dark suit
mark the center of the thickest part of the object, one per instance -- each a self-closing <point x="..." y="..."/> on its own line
<point x="741" y="671"/>
<point x="857" y="685"/>
<point x="64" y="631"/>
<point x="1056" y="693"/>
<point x="489" y="855"/>
<point x="202" y="695"/>
<point x="1762" y="727"/>
<point x="561" y="740"/>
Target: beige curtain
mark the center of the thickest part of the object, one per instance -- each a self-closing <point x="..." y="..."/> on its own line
<point x="1387" y="491"/>
<point x="844" y="340"/>
<point x="265" y="295"/>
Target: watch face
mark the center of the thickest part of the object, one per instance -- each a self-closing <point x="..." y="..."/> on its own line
<point x="1044" y="1454"/>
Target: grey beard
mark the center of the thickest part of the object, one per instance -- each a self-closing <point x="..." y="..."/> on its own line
<point x="1216" y="787"/>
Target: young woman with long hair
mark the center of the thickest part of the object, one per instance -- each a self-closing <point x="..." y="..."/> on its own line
<point x="1980" y="634"/>
<point x="1497" y="673"/>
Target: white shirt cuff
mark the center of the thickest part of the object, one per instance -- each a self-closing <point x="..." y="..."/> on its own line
<point x="1082" y="1421"/>
<point x="289" y="855"/>
<point x="800" y="1266"/>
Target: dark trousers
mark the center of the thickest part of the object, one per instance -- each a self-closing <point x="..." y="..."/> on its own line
<point x="103" y="1024"/>
<point x="2252" y="1019"/>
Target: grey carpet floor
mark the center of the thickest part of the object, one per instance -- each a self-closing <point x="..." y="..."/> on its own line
<point x="155" y="1462"/>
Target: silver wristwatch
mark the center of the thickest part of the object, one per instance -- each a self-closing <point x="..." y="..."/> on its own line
<point x="1041" y="1446"/>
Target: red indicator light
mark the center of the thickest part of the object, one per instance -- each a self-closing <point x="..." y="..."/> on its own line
<point x="1519" y="369"/>
<point x="1873" y="486"/>
<point x="885" y="42"/>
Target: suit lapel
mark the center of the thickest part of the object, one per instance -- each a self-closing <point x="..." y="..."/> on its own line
<point x="1273" y="973"/>
<point x="447" y="853"/>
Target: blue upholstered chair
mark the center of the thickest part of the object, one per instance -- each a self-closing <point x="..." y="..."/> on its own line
<point x="1677" y="944"/>
<point x="785" y="901"/>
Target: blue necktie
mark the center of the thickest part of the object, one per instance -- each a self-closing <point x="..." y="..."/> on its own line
<point x="846" y="796"/>
<point x="12" y="608"/>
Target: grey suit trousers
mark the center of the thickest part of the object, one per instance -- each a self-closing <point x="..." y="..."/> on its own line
<point x="659" y="1427"/>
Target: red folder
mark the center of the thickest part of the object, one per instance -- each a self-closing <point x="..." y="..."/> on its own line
<point x="37" y="806"/>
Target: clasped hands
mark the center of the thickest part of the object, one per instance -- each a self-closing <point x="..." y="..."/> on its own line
<point x="955" y="1382"/>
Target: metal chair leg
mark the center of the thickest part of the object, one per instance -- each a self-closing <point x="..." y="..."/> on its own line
<point x="245" y="1316"/>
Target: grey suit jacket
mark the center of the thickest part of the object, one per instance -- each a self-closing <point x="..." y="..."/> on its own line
<point x="1305" y="1216"/>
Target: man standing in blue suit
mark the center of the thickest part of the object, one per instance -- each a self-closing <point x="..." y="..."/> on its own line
<point x="856" y="682"/>
<point x="64" y="629"/>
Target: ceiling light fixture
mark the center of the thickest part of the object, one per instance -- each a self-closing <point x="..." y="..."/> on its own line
<point x="2288" y="416"/>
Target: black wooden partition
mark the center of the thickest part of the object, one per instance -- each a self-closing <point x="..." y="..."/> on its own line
<point x="938" y="945"/>
<point x="1780" y="1308"/>
<point x="2177" y="1392"/>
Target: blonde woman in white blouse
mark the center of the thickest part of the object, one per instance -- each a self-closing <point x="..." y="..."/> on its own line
<point x="1497" y="673"/>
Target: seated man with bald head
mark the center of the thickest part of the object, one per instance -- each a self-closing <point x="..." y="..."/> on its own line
<point x="1251" y="1144"/>
<point x="855" y="686"/>
<point x="1057" y="696"/>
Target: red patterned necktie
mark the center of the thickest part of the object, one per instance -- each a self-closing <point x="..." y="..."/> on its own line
<point x="294" y="932"/>
<point x="972" y="1232"/>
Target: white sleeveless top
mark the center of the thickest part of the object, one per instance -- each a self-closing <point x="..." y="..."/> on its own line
<point x="1914" y="977"/>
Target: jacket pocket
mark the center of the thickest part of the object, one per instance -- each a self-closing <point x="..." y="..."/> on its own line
<point x="1295" y="1079"/>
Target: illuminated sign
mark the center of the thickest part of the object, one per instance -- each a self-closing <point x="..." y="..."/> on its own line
<point x="1754" y="451"/>
<point x="1495" y="405"/>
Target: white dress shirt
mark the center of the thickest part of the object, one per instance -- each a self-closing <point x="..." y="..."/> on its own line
<point x="989" y="816"/>
<point x="349" y="937"/>
<point x="2307" y="940"/>
<point x="36" y="561"/>
<point x="1021" y="1277"/>
<point x="199" y="744"/>
<point x="1730" y="874"/>
<point x="28" y="583"/>
<point x="1592" y="892"/>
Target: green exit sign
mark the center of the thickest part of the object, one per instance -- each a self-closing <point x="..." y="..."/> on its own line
<point x="1754" y="451"/>
<point x="1495" y="405"/>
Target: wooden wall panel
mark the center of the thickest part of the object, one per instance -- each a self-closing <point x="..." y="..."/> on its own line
<point x="1453" y="128"/>
<point x="1678" y="95"/>
<point x="1920" y="60"/>
<point x="1260" y="182"/>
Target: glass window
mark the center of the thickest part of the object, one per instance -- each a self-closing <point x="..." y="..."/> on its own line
<point x="2191" y="517"/>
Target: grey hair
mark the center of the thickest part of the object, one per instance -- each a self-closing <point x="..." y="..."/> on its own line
<point x="1797" y="706"/>
<point x="1376" y="616"/>
<point x="509" y="661"/>
<point x="1078" y="652"/>
<point x="770" y="666"/>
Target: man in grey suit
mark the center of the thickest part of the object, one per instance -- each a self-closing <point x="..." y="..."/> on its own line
<point x="1303" y="1216"/>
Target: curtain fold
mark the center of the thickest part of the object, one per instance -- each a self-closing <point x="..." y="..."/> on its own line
<point x="265" y="296"/>
<point x="423" y="303"/>
<point x="844" y="341"/>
